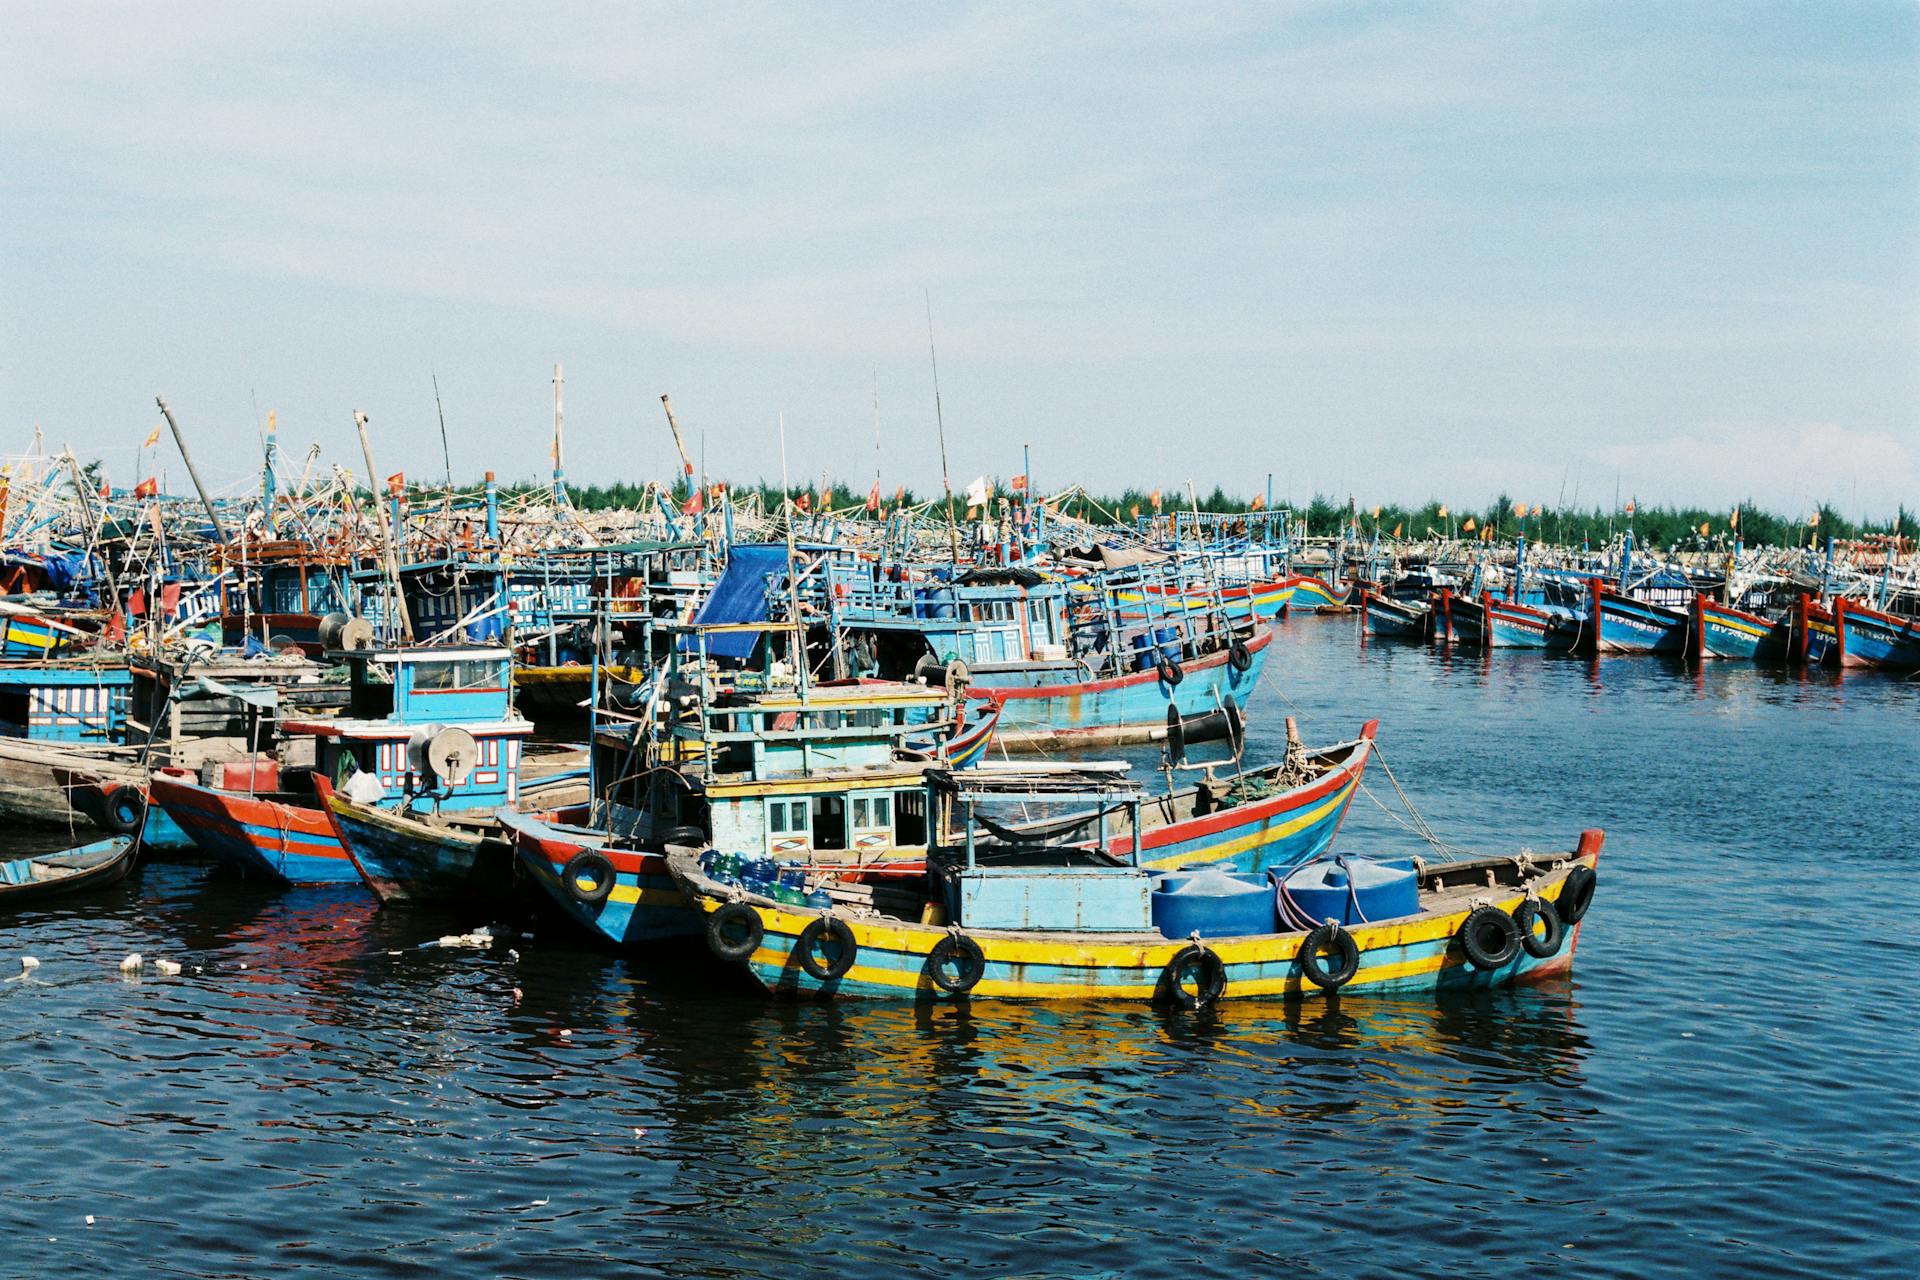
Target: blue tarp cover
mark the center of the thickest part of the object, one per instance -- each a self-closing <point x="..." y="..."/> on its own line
<point x="741" y="596"/>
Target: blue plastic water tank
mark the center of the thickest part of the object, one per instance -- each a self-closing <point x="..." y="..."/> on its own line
<point x="1213" y="904"/>
<point x="1353" y="890"/>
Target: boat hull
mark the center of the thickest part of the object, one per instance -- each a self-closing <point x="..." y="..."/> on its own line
<point x="1721" y="631"/>
<point x="25" y="881"/>
<point x="287" y="843"/>
<point x="1869" y="638"/>
<point x="405" y="860"/>
<point x="1520" y="626"/>
<point x="1625" y="625"/>
<point x="1128" y="708"/>
<point x="645" y="905"/>
<point x="892" y="962"/>
<point x="1283" y="830"/>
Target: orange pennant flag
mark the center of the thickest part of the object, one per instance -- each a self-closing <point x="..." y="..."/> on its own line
<point x="153" y="438"/>
<point x="397" y="483"/>
<point x="1469" y="526"/>
<point x="1396" y="531"/>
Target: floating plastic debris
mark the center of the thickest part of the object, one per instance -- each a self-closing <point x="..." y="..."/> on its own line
<point x="166" y="968"/>
<point x="132" y="963"/>
<point x="29" y="963"/>
<point x="481" y="938"/>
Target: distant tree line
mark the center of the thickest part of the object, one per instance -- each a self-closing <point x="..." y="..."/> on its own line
<point x="1507" y="517"/>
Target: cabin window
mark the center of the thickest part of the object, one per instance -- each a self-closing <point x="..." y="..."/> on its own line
<point x="457" y="675"/>
<point x="786" y="817"/>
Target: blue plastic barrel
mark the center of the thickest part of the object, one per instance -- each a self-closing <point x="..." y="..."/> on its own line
<point x="1168" y="638"/>
<point x="1213" y="904"/>
<point x="1143" y="656"/>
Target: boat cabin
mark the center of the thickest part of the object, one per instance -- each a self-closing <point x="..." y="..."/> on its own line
<point x="63" y="703"/>
<point x="403" y="700"/>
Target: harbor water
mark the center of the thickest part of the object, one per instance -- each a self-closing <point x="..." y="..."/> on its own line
<point x="1725" y="1086"/>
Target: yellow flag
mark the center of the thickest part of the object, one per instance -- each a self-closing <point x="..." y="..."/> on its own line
<point x="1703" y="528"/>
<point x="153" y="438"/>
<point x="1443" y="511"/>
<point x="1735" y="522"/>
<point x="1396" y="531"/>
<point x="1520" y="509"/>
<point x="1469" y="526"/>
<point x="1376" y="513"/>
<point x="1815" y="520"/>
<point x="1537" y="508"/>
<point x="1155" y="495"/>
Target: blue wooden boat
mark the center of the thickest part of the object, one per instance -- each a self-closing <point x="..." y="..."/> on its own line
<point x="1394" y="618"/>
<point x="1029" y="920"/>
<point x="28" y="880"/>
<point x="1869" y="637"/>
<point x="1722" y="631"/>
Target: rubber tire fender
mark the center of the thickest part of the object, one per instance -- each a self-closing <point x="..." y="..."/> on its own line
<point x="1576" y="894"/>
<point x="1170" y="673"/>
<point x="125" y="812"/>
<point x="969" y="964"/>
<point x="1239" y="657"/>
<point x="1540" y="948"/>
<point x="1335" y="937"/>
<point x="807" y="947"/>
<point x="1210" y="978"/>
<point x="721" y="939"/>
<point x="588" y="864"/>
<point x="1490" y="938"/>
<point x="690" y="837"/>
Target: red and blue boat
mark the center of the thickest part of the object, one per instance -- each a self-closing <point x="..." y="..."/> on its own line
<point x="1869" y="637"/>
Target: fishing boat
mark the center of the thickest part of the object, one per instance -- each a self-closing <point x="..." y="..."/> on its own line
<point x="1395" y="618"/>
<point x="433" y="721"/>
<point x="458" y="857"/>
<point x="1034" y="920"/>
<point x="1869" y="637"/>
<point x="1506" y="624"/>
<point x="1722" y="631"/>
<point x="48" y="875"/>
<point x="742" y="748"/>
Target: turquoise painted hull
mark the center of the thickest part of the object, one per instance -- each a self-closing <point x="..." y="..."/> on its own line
<point x="1133" y="706"/>
<point x="644" y="906"/>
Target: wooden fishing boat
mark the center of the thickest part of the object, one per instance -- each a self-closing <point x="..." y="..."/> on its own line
<point x="1394" y="618"/>
<point x="1869" y="637"/>
<point x="48" y="875"/>
<point x="1621" y="623"/>
<point x="434" y="721"/>
<point x="1130" y="707"/>
<point x="1722" y="631"/>
<point x="455" y="857"/>
<point x="1509" y="625"/>
<point x="1049" y="922"/>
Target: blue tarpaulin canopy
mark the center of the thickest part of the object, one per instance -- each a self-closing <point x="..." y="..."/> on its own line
<point x="741" y="596"/>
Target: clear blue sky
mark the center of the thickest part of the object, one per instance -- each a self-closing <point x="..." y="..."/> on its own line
<point x="1403" y="251"/>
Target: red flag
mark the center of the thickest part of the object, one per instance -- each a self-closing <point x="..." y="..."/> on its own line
<point x="803" y="503"/>
<point x="873" y="497"/>
<point x="397" y="483"/>
<point x="1018" y="484"/>
<point x="696" y="501"/>
<point x="146" y="488"/>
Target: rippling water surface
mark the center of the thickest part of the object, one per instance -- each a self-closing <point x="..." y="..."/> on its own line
<point x="1726" y="1085"/>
